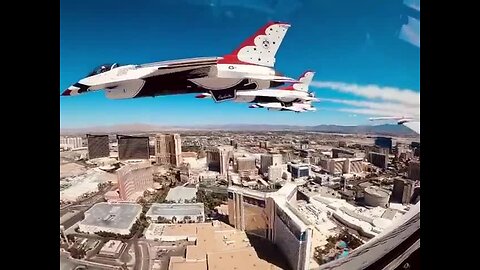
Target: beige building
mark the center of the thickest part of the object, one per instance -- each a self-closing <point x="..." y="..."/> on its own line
<point x="134" y="179"/>
<point x="219" y="158"/>
<point x="264" y="144"/>
<point x="337" y="166"/>
<point x="245" y="166"/>
<point x="168" y="149"/>
<point x="217" y="246"/>
<point x="275" y="173"/>
<point x="71" y="142"/>
<point x="272" y="215"/>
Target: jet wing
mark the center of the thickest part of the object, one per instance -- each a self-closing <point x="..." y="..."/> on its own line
<point x="202" y="64"/>
<point x="415" y="126"/>
<point x="411" y="123"/>
<point x="183" y="62"/>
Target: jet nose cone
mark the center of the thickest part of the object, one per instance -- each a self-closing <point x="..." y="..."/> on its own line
<point x="253" y="106"/>
<point x="66" y="92"/>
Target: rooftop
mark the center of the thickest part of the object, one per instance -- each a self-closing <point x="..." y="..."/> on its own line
<point x="181" y="193"/>
<point x="181" y="209"/>
<point x="377" y="192"/>
<point x="116" y="215"/>
<point x="218" y="246"/>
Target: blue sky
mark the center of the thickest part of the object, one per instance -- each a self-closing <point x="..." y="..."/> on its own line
<point x="365" y="53"/>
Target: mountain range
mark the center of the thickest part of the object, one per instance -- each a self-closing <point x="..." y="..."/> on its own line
<point x="386" y="129"/>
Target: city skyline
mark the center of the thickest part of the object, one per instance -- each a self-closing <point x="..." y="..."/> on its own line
<point x="364" y="66"/>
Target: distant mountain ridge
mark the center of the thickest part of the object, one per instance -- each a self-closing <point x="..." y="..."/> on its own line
<point x="386" y="129"/>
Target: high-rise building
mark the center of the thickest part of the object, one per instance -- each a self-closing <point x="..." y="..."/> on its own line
<point x="384" y="142"/>
<point x="378" y="159"/>
<point x="403" y="190"/>
<point x="287" y="155"/>
<point x="98" y="146"/>
<point x="416" y="148"/>
<point x="414" y="170"/>
<point x="275" y="173"/>
<point x="168" y="149"/>
<point x="218" y="159"/>
<point x="245" y="166"/>
<point x="267" y="160"/>
<point x="269" y="215"/>
<point x="134" y="179"/>
<point x="234" y="144"/>
<point x="133" y="147"/>
<point x="335" y="166"/>
<point x="71" y="142"/>
<point x="299" y="170"/>
<point x="264" y="144"/>
<point x="151" y="146"/>
<point x="354" y="165"/>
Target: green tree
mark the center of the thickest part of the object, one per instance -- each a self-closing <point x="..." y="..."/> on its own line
<point x="318" y="255"/>
<point x="70" y="238"/>
<point x="161" y="219"/>
<point x="77" y="253"/>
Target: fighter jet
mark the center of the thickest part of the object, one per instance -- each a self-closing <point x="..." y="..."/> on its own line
<point x="297" y="107"/>
<point x="286" y="96"/>
<point x="248" y="67"/>
<point x="410" y="122"/>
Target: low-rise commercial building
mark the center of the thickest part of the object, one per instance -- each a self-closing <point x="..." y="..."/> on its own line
<point x="176" y="212"/>
<point x="181" y="194"/>
<point x="111" y="217"/>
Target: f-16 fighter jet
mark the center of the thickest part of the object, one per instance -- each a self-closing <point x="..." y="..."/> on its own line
<point x="411" y="123"/>
<point x="248" y="67"/>
<point x="286" y="96"/>
<point x="297" y="107"/>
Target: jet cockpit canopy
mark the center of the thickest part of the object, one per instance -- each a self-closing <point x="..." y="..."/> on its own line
<point x="103" y="68"/>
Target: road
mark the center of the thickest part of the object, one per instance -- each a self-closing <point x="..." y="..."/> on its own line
<point x="82" y="206"/>
<point x="142" y="253"/>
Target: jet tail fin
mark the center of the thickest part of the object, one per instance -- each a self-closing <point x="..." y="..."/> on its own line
<point x="303" y="82"/>
<point x="260" y="48"/>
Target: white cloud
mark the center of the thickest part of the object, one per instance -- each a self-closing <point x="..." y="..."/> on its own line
<point x="379" y="108"/>
<point x="371" y="112"/>
<point x="403" y="96"/>
<point x="415" y="4"/>
<point x="410" y="32"/>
